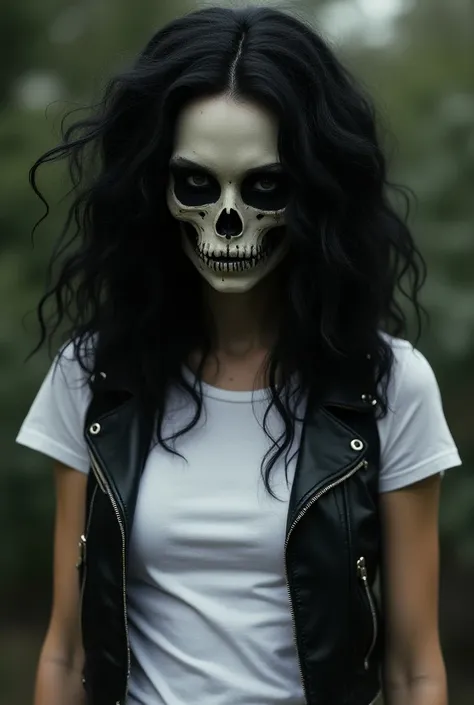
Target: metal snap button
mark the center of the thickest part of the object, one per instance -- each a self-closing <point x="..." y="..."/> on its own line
<point x="94" y="429"/>
<point x="369" y="399"/>
<point x="356" y="444"/>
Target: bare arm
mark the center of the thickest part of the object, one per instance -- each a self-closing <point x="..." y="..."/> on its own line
<point x="414" y="672"/>
<point x="59" y="676"/>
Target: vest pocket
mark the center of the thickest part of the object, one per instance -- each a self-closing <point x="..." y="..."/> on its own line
<point x="362" y="575"/>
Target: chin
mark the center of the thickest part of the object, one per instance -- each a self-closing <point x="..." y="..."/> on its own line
<point x="225" y="286"/>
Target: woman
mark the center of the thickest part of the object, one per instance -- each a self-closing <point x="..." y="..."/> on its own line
<point x="243" y="439"/>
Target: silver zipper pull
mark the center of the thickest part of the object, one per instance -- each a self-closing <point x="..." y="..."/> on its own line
<point x="82" y="551"/>
<point x="362" y="569"/>
<point x="362" y="573"/>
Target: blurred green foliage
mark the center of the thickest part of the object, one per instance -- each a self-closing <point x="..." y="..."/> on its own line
<point x="55" y="55"/>
<point x="423" y="85"/>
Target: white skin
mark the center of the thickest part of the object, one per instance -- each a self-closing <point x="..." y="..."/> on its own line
<point x="231" y="141"/>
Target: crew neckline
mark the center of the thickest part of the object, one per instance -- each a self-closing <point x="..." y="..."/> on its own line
<point x="230" y="395"/>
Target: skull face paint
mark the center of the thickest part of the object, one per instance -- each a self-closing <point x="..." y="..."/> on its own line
<point x="229" y="191"/>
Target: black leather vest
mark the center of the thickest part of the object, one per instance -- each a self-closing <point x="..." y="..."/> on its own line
<point x="332" y="545"/>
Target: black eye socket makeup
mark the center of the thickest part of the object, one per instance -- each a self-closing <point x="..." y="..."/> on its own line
<point x="264" y="187"/>
<point x="193" y="185"/>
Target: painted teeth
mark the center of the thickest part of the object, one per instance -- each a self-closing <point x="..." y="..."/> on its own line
<point x="237" y="260"/>
<point x="233" y="264"/>
<point x="229" y="266"/>
<point x="206" y="251"/>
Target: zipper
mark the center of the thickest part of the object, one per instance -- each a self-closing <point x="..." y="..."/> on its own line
<point x="372" y="702"/>
<point x="83" y="538"/>
<point x="100" y="477"/>
<point x="314" y="498"/>
<point x="362" y="573"/>
<point x="82" y="558"/>
<point x="82" y="548"/>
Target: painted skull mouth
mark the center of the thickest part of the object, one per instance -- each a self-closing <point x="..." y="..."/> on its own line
<point x="235" y="258"/>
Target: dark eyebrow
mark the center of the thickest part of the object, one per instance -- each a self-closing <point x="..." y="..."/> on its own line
<point x="274" y="168"/>
<point x="187" y="164"/>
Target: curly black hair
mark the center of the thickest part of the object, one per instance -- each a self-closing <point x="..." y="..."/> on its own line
<point x="123" y="282"/>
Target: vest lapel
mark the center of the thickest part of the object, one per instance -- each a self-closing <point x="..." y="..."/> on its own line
<point x="329" y="448"/>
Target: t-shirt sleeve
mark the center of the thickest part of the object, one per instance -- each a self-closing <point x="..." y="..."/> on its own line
<point x="414" y="436"/>
<point x="55" y="421"/>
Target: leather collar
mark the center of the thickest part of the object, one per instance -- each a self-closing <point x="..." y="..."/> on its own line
<point x="350" y="387"/>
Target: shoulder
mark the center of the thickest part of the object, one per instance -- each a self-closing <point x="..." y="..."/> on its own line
<point x="412" y="377"/>
<point x="415" y="440"/>
<point x="55" y="421"/>
<point x="73" y="364"/>
<point x="66" y="386"/>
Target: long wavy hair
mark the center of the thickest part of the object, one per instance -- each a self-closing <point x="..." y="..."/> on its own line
<point x="123" y="281"/>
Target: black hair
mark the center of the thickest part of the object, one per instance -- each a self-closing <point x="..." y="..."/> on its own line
<point x="352" y="258"/>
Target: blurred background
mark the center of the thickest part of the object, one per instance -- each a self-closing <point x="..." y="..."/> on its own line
<point x="416" y="57"/>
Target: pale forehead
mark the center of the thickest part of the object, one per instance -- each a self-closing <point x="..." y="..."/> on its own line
<point x="224" y="134"/>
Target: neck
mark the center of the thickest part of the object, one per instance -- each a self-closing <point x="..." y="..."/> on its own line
<point x="244" y="323"/>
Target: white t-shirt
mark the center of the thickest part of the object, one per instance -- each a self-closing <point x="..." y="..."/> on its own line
<point x="208" y="604"/>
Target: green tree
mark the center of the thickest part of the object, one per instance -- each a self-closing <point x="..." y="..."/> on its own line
<point x="53" y="57"/>
<point x="423" y="84"/>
